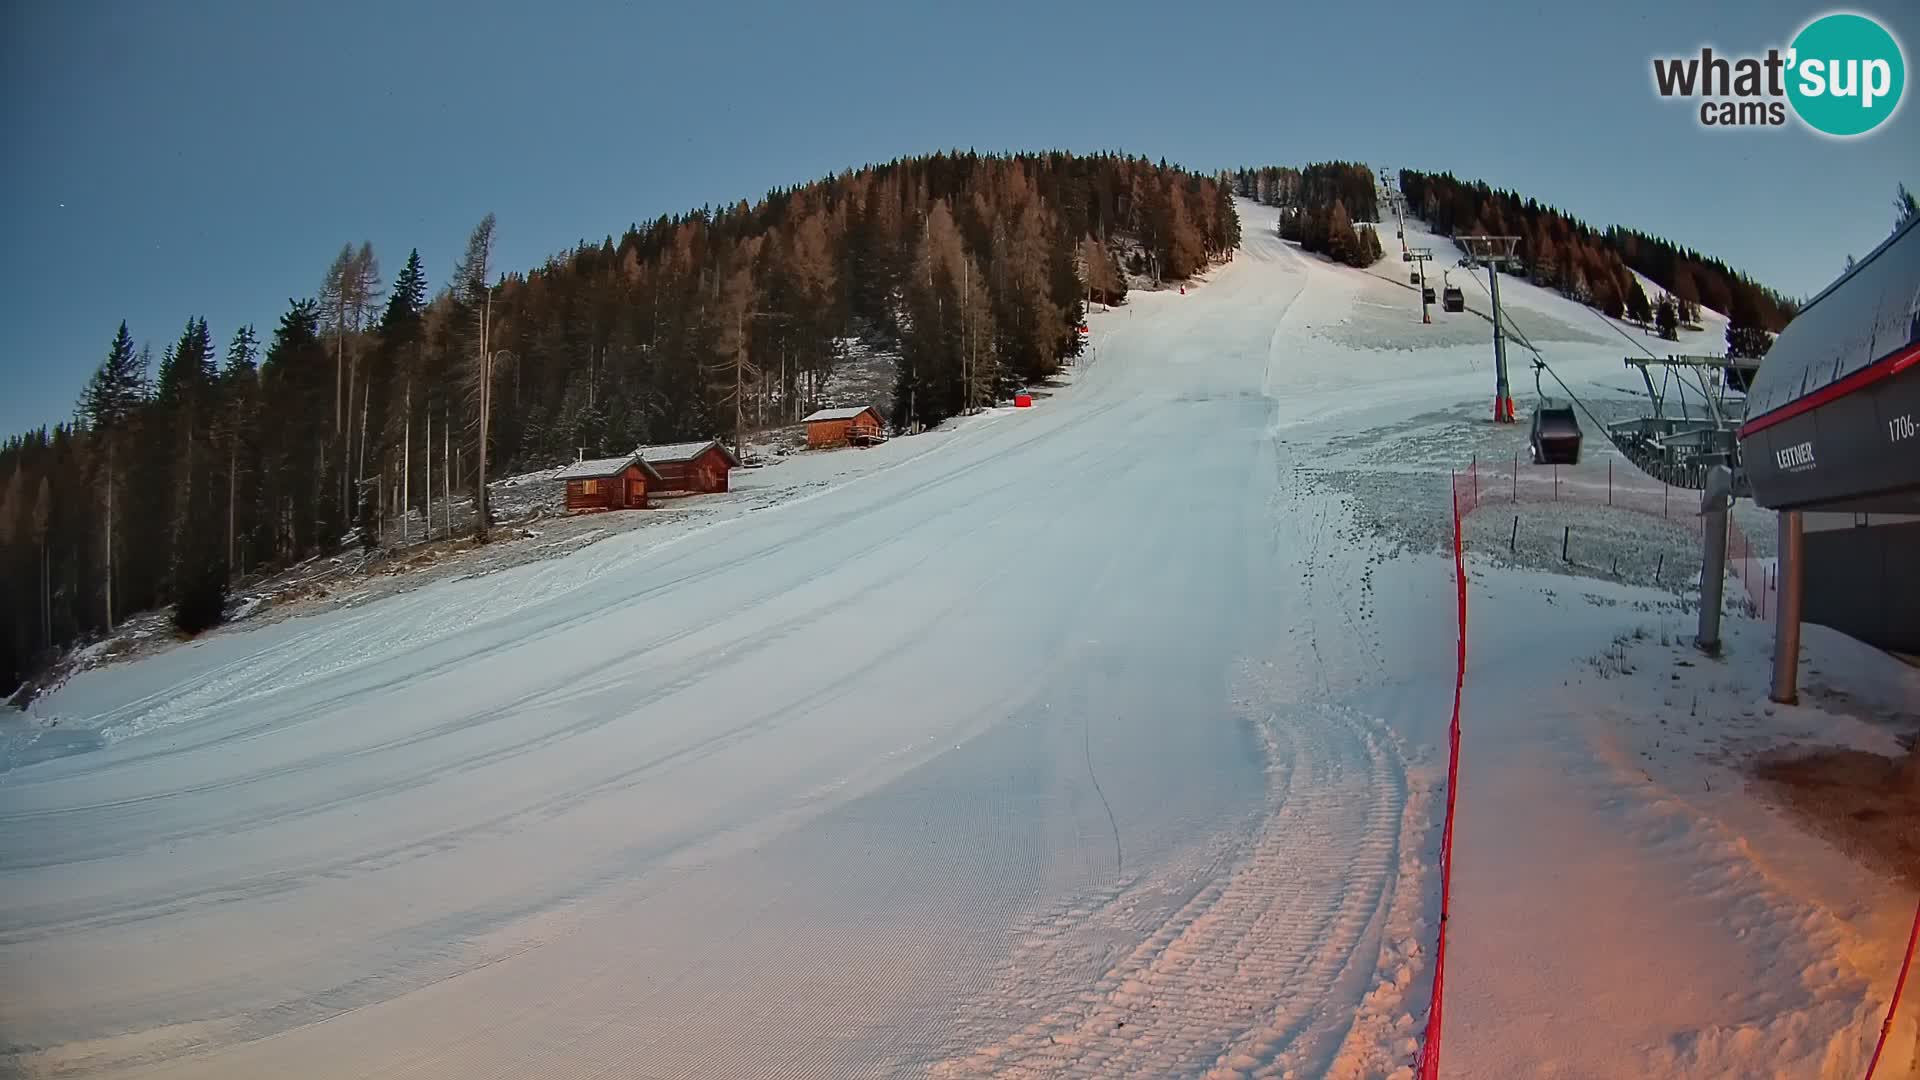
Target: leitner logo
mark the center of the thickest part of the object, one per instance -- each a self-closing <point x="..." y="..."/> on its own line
<point x="1843" y="76"/>
<point x="1795" y="458"/>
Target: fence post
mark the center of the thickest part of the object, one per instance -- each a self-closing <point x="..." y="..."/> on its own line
<point x="1514" y="540"/>
<point x="1566" y="535"/>
<point x="1659" y="565"/>
<point x="1663" y="500"/>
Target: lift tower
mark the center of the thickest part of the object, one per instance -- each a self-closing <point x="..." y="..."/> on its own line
<point x="1493" y="252"/>
<point x="1420" y="257"/>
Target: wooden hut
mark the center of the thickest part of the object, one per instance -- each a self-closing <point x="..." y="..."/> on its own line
<point x="857" y="426"/>
<point x="619" y="483"/>
<point x="690" y="466"/>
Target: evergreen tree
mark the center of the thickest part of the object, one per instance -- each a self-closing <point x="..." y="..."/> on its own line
<point x="1638" y="308"/>
<point x="118" y="388"/>
<point x="295" y="386"/>
<point x="1340" y="238"/>
<point x="1905" y="208"/>
<point x="236" y="436"/>
<point x="1745" y="336"/>
<point x="1666" y="316"/>
<point x="1186" y="253"/>
<point x="1554" y="245"/>
<point x="470" y="344"/>
<point x="179" y="462"/>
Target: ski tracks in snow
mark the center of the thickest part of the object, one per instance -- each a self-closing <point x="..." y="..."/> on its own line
<point x="1292" y="959"/>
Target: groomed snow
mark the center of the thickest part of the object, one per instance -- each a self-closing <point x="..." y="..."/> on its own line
<point x="1094" y="739"/>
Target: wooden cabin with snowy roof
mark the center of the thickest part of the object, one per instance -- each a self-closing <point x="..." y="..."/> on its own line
<point x="857" y="426"/>
<point x="616" y="483"/>
<point x="699" y="467"/>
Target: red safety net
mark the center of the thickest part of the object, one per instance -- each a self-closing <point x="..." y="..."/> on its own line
<point x="1893" y="1007"/>
<point x="1482" y="484"/>
<point x="1603" y="483"/>
<point x="1430" y="1045"/>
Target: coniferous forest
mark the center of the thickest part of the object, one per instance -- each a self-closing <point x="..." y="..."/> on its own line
<point x="239" y="450"/>
<point x="1590" y="265"/>
<point x="1323" y="207"/>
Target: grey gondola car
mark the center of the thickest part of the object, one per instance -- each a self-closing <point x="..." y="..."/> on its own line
<point x="1454" y="300"/>
<point x="1555" y="437"/>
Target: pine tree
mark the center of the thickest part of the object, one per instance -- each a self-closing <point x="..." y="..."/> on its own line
<point x="1745" y="336"/>
<point x="1666" y="316"/>
<point x="179" y="462"/>
<point x="1186" y="253"/>
<point x="299" y="505"/>
<point x="236" y="435"/>
<point x="732" y="371"/>
<point x="41" y="526"/>
<point x="1905" y="208"/>
<point x="949" y="354"/>
<point x="114" y="394"/>
<point x="14" y="526"/>
<point x="1340" y="239"/>
<point x="1638" y="309"/>
<point x="473" y="298"/>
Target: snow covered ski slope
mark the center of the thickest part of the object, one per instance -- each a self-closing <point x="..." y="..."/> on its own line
<point x="1096" y="739"/>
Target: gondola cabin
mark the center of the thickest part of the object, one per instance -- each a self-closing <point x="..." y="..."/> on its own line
<point x="857" y="426"/>
<point x="1452" y="299"/>
<point x="693" y="467"/>
<point x="1555" y="435"/>
<point x="607" y="483"/>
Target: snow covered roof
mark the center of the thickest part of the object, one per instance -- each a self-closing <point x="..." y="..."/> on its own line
<point x="1871" y="312"/>
<point x="674" y="453"/>
<point x="595" y="468"/>
<point x="840" y="414"/>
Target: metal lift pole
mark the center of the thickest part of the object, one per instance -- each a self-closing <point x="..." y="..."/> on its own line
<point x="1495" y="252"/>
<point x="1420" y="257"/>
<point x="1502" y="391"/>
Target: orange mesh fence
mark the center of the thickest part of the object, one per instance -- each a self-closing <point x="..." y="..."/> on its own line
<point x="1484" y="483"/>
<point x="1605" y="483"/>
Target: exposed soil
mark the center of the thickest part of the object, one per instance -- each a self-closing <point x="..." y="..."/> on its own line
<point x="1866" y="804"/>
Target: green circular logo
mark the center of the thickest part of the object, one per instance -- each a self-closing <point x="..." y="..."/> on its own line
<point x="1846" y="74"/>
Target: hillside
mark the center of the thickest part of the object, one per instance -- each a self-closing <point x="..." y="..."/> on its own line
<point x="1105" y="736"/>
<point x="186" y="478"/>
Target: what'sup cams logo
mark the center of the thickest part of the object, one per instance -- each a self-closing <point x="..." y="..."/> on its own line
<point x="1842" y="76"/>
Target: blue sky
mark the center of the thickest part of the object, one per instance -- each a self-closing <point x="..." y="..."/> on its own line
<point x="209" y="157"/>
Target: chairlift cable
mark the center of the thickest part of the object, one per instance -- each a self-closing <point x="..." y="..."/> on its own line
<point x="1515" y="333"/>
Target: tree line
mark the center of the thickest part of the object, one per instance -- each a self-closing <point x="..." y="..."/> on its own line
<point x="1322" y="207"/>
<point x="1592" y="266"/>
<point x="1319" y="185"/>
<point x="369" y="399"/>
